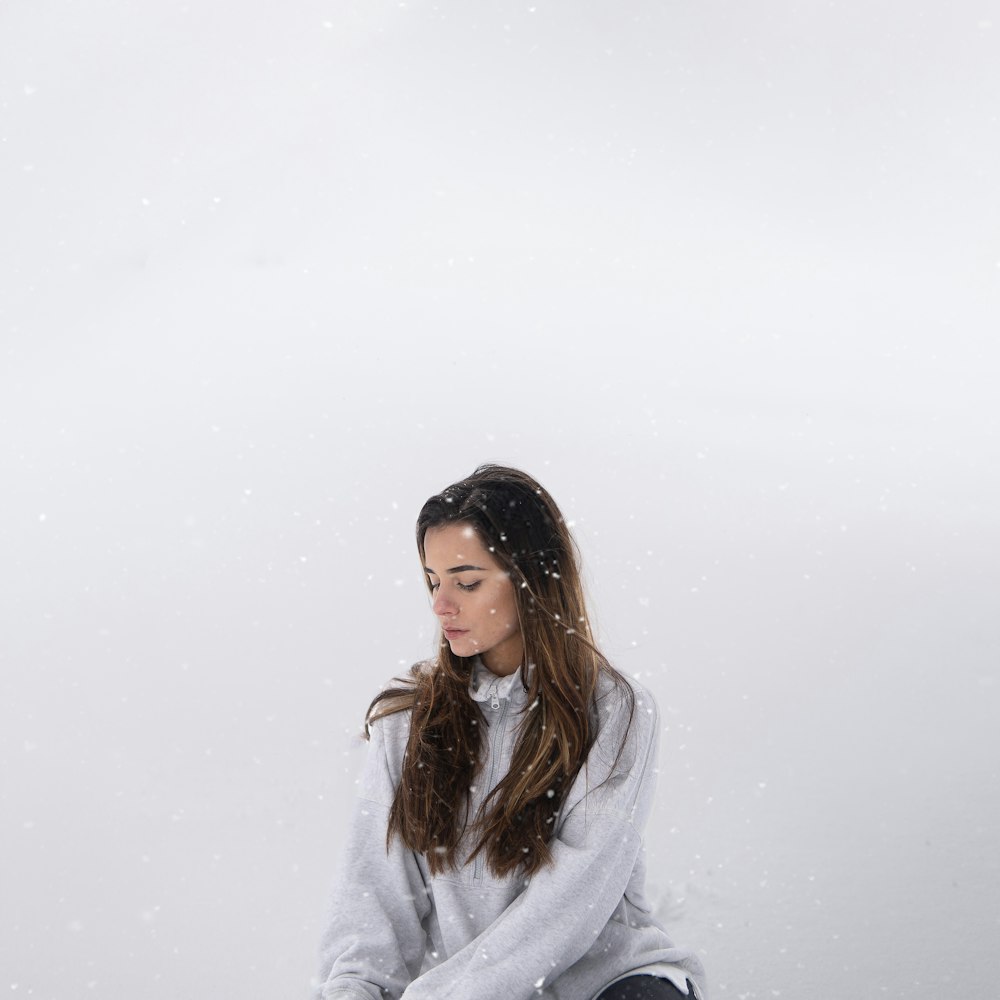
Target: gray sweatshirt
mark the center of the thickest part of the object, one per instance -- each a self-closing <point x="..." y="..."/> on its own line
<point x="566" y="933"/>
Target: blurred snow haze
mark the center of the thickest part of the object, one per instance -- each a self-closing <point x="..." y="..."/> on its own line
<point x="725" y="277"/>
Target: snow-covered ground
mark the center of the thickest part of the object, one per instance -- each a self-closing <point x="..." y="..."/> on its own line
<point x="723" y="276"/>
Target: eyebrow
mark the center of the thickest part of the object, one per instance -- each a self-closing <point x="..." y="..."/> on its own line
<point x="457" y="569"/>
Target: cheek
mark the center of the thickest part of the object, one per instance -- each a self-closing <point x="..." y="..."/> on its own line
<point x="504" y="611"/>
<point x="500" y="608"/>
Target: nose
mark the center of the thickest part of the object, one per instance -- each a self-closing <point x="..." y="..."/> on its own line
<point x="444" y="606"/>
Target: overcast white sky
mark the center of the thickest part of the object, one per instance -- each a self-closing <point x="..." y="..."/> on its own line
<point x="725" y="277"/>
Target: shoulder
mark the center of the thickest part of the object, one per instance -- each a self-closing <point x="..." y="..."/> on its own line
<point x="387" y="724"/>
<point x="388" y="717"/>
<point x="621" y="701"/>
<point x="395" y="696"/>
<point x="627" y="718"/>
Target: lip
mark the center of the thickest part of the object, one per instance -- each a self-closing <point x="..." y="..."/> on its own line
<point x="453" y="633"/>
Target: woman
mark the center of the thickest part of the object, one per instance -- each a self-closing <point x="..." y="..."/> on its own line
<point x="496" y="850"/>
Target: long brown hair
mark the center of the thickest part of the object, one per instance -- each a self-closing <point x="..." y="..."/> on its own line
<point x="520" y="524"/>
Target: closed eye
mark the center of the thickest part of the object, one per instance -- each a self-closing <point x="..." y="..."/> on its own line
<point x="467" y="587"/>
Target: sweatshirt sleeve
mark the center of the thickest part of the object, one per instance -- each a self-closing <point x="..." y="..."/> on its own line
<point x="375" y="939"/>
<point x="556" y="919"/>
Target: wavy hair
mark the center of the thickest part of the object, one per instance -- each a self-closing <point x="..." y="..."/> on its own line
<point x="518" y="521"/>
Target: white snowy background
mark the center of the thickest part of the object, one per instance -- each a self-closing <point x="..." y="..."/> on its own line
<point x="724" y="276"/>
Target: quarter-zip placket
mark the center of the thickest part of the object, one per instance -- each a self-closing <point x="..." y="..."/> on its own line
<point x="496" y="747"/>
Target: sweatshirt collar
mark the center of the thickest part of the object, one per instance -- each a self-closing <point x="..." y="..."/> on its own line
<point x="484" y="685"/>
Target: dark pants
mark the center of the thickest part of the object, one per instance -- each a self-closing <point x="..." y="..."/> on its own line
<point x="644" y="988"/>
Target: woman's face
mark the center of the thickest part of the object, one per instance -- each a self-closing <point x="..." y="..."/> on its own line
<point x="473" y="597"/>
